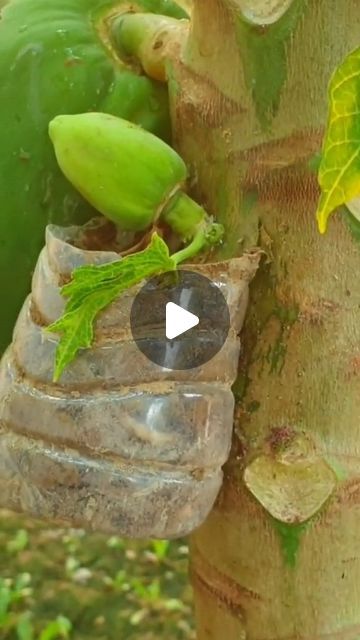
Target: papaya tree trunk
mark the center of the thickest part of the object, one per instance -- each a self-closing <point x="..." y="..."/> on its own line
<point x="278" y="557"/>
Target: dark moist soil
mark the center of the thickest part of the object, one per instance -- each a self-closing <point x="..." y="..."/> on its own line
<point x="100" y="234"/>
<point x="108" y="588"/>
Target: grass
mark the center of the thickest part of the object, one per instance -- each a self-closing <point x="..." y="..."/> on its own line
<point x="59" y="583"/>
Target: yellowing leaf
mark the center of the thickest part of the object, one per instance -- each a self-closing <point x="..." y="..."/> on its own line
<point x="339" y="172"/>
<point x="93" y="288"/>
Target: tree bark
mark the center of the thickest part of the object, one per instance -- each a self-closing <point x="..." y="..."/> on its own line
<point x="278" y="557"/>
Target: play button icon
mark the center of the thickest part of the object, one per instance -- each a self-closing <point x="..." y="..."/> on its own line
<point x="178" y="320"/>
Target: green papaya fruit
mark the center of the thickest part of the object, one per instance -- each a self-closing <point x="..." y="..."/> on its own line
<point x="55" y="58"/>
<point x="125" y="172"/>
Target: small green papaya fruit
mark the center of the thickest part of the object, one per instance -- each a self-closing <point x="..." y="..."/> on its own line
<point x="55" y="58"/>
<point x="125" y="172"/>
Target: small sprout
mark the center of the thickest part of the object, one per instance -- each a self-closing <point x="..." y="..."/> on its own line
<point x="71" y="565"/>
<point x="149" y="593"/>
<point x="19" y="542"/>
<point x="119" y="582"/>
<point x="138" y="617"/>
<point x="59" y="628"/>
<point x="21" y="588"/>
<point x="160" y="548"/>
<point x="24" y="627"/>
<point x="114" y="542"/>
<point x="174" y="604"/>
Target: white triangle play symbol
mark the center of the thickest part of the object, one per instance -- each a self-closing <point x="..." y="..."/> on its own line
<point x="178" y="320"/>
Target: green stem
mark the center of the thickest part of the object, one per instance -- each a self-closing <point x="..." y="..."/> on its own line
<point x="207" y="234"/>
<point x="183" y="215"/>
<point x="146" y="38"/>
<point x="130" y="30"/>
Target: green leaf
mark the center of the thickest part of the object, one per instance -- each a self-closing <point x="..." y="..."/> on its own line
<point x="24" y="627"/>
<point x="19" y="542"/>
<point x="339" y="172"/>
<point x="93" y="288"/>
<point x="5" y="601"/>
<point x="59" y="628"/>
<point x="160" y="548"/>
<point x="353" y="224"/>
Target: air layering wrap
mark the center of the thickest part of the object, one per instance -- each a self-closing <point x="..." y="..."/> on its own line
<point x="120" y="444"/>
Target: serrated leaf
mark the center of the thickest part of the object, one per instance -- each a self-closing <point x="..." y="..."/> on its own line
<point x="76" y="325"/>
<point x="93" y="288"/>
<point x="339" y="172"/>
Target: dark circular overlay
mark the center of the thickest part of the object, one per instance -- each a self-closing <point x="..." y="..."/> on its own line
<point x="194" y="293"/>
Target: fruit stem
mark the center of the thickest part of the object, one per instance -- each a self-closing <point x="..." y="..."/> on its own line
<point x="183" y="215"/>
<point x="207" y="234"/>
<point x="149" y="38"/>
<point x="191" y="222"/>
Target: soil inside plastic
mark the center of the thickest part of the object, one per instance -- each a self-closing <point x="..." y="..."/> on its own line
<point x="100" y="234"/>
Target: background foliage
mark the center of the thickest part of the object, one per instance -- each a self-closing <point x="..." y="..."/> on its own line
<point x="61" y="583"/>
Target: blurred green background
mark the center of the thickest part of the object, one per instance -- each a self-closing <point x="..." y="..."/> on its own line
<point x="65" y="583"/>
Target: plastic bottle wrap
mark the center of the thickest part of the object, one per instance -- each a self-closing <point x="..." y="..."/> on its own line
<point x="119" y="444"/>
